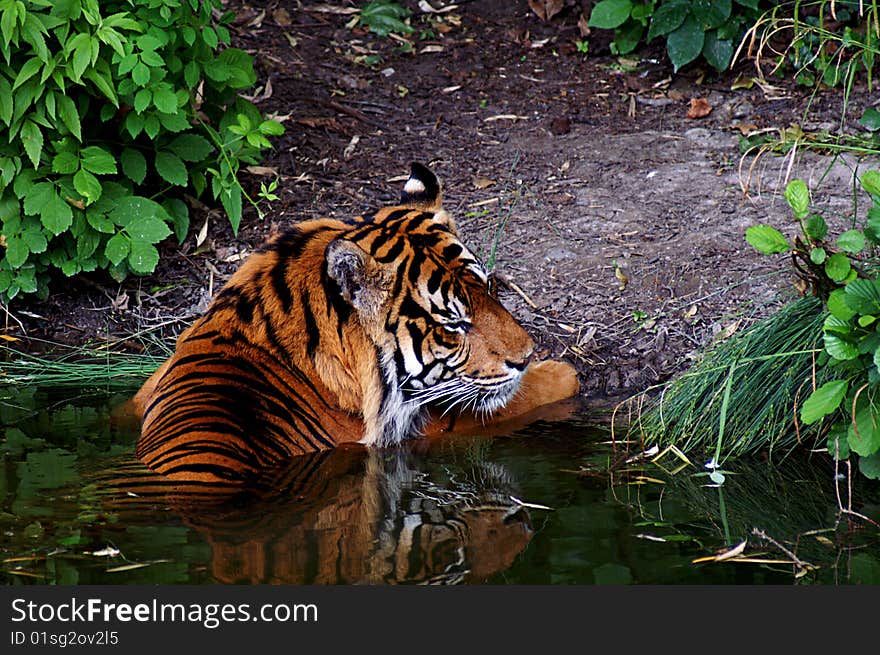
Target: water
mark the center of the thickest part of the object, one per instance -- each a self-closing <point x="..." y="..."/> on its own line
<point x="535" y="507"/>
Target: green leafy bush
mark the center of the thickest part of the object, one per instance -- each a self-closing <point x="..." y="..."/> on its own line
<point x="843" y="272"/>
<point x="711" y="28"/>
<point x="109" y="112"/>
<point x="384" y="17"/>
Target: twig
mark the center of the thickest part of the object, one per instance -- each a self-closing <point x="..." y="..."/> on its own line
<point x="794" y="558"/>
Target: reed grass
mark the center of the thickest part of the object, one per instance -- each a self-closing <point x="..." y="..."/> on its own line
<point x="83" y="366"/>
<point x="742" y="396"/>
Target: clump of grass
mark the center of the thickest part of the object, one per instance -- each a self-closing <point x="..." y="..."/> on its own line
<point x="743" y="395"/>
<point x="820" y="43"/>
<point x="97" y="365"/>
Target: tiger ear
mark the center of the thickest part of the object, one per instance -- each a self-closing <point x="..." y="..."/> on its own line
<point x="423" y="191"/>
<point x="361" y="278"/>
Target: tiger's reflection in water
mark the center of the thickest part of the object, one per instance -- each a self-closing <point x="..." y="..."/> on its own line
<point x="348" y="516"/>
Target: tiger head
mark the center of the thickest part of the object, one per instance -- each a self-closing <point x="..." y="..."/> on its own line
<point x="424" y="300"/>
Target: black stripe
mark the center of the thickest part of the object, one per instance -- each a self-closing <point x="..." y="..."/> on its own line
<point x="393" y="252"/>
<point x="452" y="251"/>
<point x="278" y="276"/>
<point x="312" y="333"/>
<point x="415" y="266"/>
<point x="418" y="337"/>
<point x="434" y="280"/>
<point x="289" y="247"/>
<point x="394" y="215"/>
<point x="411" y="309"/>
<point x="397" y="287"/>
<point x="244" y="308"/>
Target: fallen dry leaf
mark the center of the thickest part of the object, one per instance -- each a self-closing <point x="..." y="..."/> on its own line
<point x="428" y="9"/>
<point x="321" y="121"/>
<point x="505" y="117"/>
<point x="699" y="108"/>
<point x="349" y="149"/>
<point x="482" y="182"/>
<point x="546" y="9"/>
<point x="332" y="9"/>
<point x="281" y="17"/>
<point x="745" y="128"/>
<point x="267" y="171"/>
<point x="583" y="27"/>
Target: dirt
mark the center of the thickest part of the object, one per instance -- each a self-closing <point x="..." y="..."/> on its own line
<point x="617" y="221"/>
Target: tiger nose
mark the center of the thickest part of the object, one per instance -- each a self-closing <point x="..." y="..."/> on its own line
<point x="521" y="364"/>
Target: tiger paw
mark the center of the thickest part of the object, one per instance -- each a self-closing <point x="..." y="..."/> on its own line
<point x="545" y="387"/>
<point x="544" y="383"/>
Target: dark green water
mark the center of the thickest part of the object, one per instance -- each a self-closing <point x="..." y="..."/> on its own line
<point x="535" y="507"/>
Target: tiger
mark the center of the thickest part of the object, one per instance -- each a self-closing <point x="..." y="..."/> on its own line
<point x="372" y="329"/>
<point x="348" y="515"/>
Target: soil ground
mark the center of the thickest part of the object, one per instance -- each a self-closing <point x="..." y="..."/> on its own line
<point x="617" y="220"/>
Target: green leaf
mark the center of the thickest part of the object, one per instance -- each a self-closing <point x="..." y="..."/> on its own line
<point x="67" y="112"/>
<point x="165" y="100"/>
<point x="685" y="43"/>
<point x="870" y="466"/>
<point x="117" y="248"/>
<point x="839" y="348"/>
<point x="837" y="267"/>
<point x="57" y="216"/>
<point x="140" y="74"/>
<point x="798" y="197"/>
<point x="142" y="100"/>
<point x="191" y="147"/>
<point x="17" y="251"/>
<point x="65" y="163"/>
<point x="6" y="104"/>
<point x="99" y="221"/>
<point x="668" y="17"/>
<point x="711" y="13"/>
<point x="608" y="14"/>
<point x="171" y="168"/>
<point x="130" y="208"/>
<point x="870" y="181"/>
<point x="82" y="56"/>
<point x="838" y="446"/>
<point x="143" y="257"/>
<point x="35" y="240"/>
<point x="767" y="239"/>
<point x="823" y="401"/>
<point x="32" y="140"/>
<point x="37" y="197"/>
<point x="27" y="71"/>
<point x="147" y="228"/>
<point x="864" y="435"/>
<point x="870" y="119"/>
<point x="271" y="128"/>
<point x="102" y="81"/>
<point x="87" y="185"/>
<point x="851" y="241"/>
<point x="863" y="296"/>
<point x="815" y="227"/>
<point x="230" y="198"/>
<point x="134" y="165"/>
<point x="179" y="213"/>
<point x="817" y="256"/>
<point x="718" y="52"/>
<point x="97" y="160"/>
<point x="626" y="38"/>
